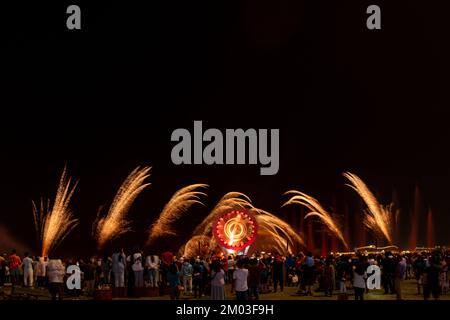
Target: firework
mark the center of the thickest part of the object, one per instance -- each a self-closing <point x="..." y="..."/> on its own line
<point x="230" y="201"/>
<point x="236" y="229"/>
<point x="114" y="223"/>
<point x="191" y="248"/>
<point x="378" y="217"/>
<point x="53" y="224"/>
<point x="274" y="233"/>
<point x="317" y="210"/>
<point x="180" y="202"/>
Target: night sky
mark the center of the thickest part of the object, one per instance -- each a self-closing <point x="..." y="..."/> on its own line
<point x="106" y="99"/>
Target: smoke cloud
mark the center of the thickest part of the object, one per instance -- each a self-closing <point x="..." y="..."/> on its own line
<point x="8" y="242"/>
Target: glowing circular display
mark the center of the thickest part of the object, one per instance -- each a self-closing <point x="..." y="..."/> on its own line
<point x="235" y="229"/>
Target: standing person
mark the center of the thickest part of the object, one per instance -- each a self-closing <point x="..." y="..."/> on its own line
<point x="41" y="275"/>
<point x="99" y="274"/>
<point x="400" y="274"/>
<point x="419" y="269"/>
<point x="14" y="267"/>
<point x="130" y="277"/>
<point x="106" y="269"/>
<point x="28" y="276"/>
<point x="431" y="278"/>
<point x="447" y="276"/>
<point x="254" y="277"/>
<point x="299" y="273"/>
<point x="408" y="268"/>
<point x="290" y="269"/>
<point x="55" y="272"/>
<point x="218" y="283"/>
<point x="173" y="277"/>
<point x="359" y="281"/>
<point x="443" y="280"/>
<point x="118" y="266"/>
<point x="231" y="266"/>
<point x="277" y="269"/>
<point x="138" y="270"/>
<point x="342" y="273"/>
<point x="308" y="272"/>
<point x="240" y="277"/>
<point x="197" y="278"/>
<point x="186" y="272"/>
<point x="268" y="262"/>
<point x="34" y="266"/>
<point x="88" y="270"/>
<point x="152" y="263"/>
<point x="166" y="262"/>
<point x="206" y="284"/>
<point x="2" y="270"/>
<point x="179" y="262"/>
<point x="328" y="277"/>
<point x="264" y="277"/>
<point x="388" y="267"/>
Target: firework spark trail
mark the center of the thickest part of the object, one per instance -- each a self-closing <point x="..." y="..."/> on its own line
<point x="38" y="217"/>
<point x="316" y="208"/>
<point x="114" y="223"/>
<point x="277" y="231"/>
<point x="190" y="249"/>
<point x="231" y="200"/>
<point x="271" y="241"/>
<point x="272" y="229"/>
<point x="180" y="202"/>
<point x="54" y="224"/>
<point x="378" y="217"/>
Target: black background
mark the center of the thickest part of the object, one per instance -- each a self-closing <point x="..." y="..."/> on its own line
<point x="106" y="98"/>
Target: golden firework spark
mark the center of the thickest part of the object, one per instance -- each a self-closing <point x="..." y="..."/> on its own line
<point x="180" y="202"/>
<point x="114" y="223"/>
<point x="274" y="233"/>
<point x="231" y="200"/>
<point x="54" y="224"/>
<point x="317" y="210"/>
<point x="378" y="217"/>
<point x="191" y="248"/>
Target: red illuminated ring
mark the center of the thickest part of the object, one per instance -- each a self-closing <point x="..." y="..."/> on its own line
<point x="235" y="229"/>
